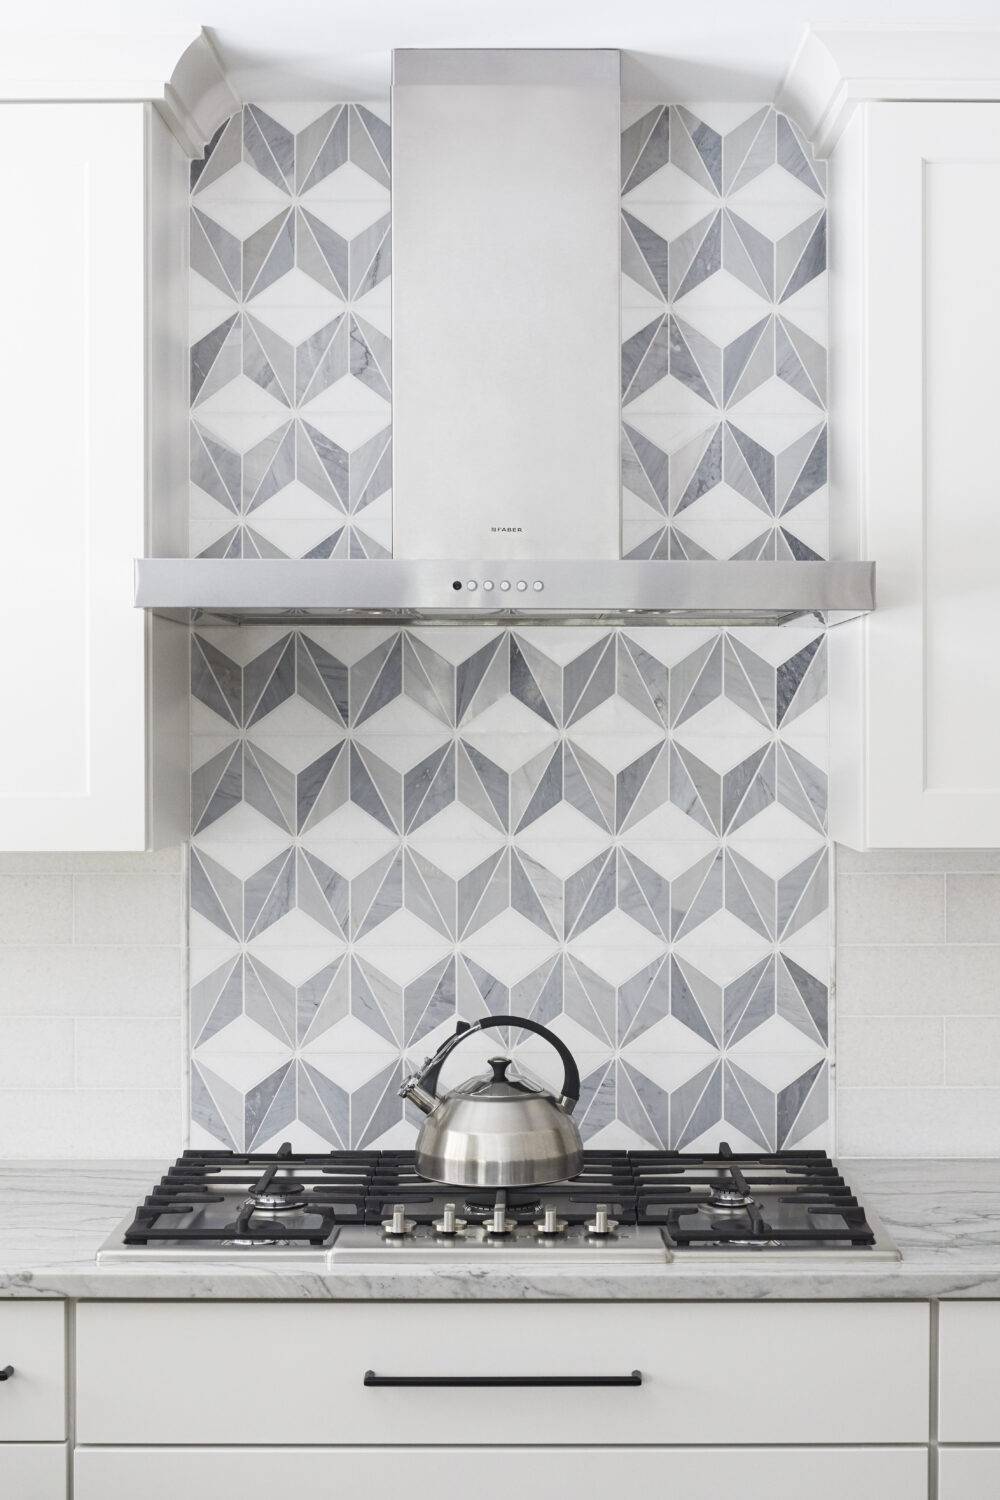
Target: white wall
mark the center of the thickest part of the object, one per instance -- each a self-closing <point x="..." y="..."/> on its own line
<point x="92" y="985"/>
<point x="918" y="1002"/>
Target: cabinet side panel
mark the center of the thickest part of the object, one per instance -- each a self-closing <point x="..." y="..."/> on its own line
<point x="167" y="643"/>
<point x="848" y="531"/>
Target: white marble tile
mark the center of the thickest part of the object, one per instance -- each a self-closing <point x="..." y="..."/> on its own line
<point x="973" y="905"/>
<point x="957" y="1122"/>
<point x="972" y="1051"/>
<point x="116" y="1053"/>
<point x="925" y="980"/>
<point x="36" y="1051"/>
<point x="54" y="1123"/>
<point x="890" y="908"/>
<point x="36" y="908"/>
<point x="128" y="908"/>
<point x="916" y="861"/>
<point x="76" y="980"/>
<point x="890" y="1051"/>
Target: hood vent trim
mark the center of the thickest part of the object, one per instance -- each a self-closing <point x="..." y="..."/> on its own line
<point x="278" y="591"/>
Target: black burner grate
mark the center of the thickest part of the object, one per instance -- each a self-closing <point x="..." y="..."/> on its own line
<point x="724" y="1198"/>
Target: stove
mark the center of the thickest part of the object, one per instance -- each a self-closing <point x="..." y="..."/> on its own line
<point x="370" y="1207"/>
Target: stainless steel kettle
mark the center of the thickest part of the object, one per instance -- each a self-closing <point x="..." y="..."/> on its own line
<point x="494" y="1130"/>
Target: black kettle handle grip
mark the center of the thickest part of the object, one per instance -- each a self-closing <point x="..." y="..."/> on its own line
<point x="571" y="1074"/>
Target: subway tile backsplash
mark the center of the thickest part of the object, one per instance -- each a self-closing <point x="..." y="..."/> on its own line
<point x="92" y="982"/>
<point x="918" y="1002"/>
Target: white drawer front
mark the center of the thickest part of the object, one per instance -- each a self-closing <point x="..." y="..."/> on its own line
<point x="33" y="1400"/>
<point x="969" y="1474"/>
<point x="294" y="1373"/>
<point x="542" y="1473"/>
<point x="969" y="1372"/>
<point x="33" y="1471"/>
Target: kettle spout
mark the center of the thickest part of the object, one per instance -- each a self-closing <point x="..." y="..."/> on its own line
<point x="412" y="1088"/>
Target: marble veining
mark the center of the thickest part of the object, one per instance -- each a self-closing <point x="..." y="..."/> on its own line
<point x="943" y="1215"/>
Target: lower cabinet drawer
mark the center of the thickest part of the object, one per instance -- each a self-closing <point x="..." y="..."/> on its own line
<point x="33" y="1399"/>
<point x="295" y="1373"/>
<point x="33" y="1471"/>
<point x="968" y="1473"/>
<point x="969" y="1372"/>
<point x="497" y="1473"/>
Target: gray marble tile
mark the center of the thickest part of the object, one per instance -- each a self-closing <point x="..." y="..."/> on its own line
<point x="322" y="1105"/>
<point x="322" y="253"/>
<point x="320" y="148"/>
<point x="370" y="257"/>
<point x="370" y="143"/>
<point x="268" y="254"/>
<point x="645" y="147"/>
<point x="269" y="146"/>
<point x="322" y="893"/>
<point x="322" y="1000"/>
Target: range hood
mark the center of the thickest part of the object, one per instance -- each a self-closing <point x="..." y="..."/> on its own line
<point x="506" y="395"/>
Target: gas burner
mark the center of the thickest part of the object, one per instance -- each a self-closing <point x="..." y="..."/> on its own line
<point x="279" y="1198"/>
<point x="255" y="1244"/>
<point x="726" y="1198"/>
<point x="515" y="1203"/>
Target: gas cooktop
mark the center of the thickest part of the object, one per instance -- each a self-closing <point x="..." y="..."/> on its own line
<point x="368" y="1207"/>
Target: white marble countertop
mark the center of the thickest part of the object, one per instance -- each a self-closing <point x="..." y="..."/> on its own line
<point x="943" y="1215"/>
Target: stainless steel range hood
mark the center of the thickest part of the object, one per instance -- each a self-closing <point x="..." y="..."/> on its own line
<point x="654" y="593"/>
<point x="506" y="359"/>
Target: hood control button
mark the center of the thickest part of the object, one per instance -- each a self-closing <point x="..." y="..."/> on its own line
<point x="505" y="584"/>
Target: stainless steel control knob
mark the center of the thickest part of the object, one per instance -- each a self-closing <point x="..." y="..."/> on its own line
<point x="448" y="1224"/>
<point x="399" y="1224"/>
<point x="499" y="1223"/>
<point x="550" y="1222"/>
<point x="600" y="1224"/>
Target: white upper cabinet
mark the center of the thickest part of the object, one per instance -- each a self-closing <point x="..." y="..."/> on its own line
<point x="93" y="751"/>
<point x="915" y="303"/>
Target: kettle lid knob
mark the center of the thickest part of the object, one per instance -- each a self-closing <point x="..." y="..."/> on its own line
<point x="499" y="1066"/>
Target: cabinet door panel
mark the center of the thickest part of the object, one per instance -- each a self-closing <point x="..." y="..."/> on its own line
<point x="33" y="1399"/>
<point x="452" y="1473"/>
<point x="72" y="752"/>
<point x="915" y="263"/>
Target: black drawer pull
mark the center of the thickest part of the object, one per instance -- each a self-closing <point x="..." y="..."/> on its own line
<point x="634" y="1378"/>
<point x="6" y="1372"/>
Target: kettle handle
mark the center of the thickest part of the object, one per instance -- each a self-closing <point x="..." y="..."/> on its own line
<point x="571" y="1075"/>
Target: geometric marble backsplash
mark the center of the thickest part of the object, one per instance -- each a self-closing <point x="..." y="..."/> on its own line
<point x="618" y="832"/>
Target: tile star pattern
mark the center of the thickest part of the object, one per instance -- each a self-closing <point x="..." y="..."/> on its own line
<point x="621" y="833"/>
<point x="618" y="833"/>
<point x="291" y="452"/>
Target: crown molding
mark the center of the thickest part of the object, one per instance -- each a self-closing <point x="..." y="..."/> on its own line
<point x="838" y="67"/>
<point x="179" y="72"/>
